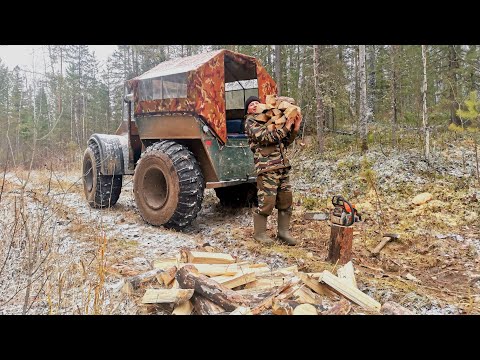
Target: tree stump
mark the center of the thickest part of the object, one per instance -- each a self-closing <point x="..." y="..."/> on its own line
<point x="340" y="247"/>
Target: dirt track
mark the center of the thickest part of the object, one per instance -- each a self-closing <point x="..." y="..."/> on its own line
<point x="433" y="269"/>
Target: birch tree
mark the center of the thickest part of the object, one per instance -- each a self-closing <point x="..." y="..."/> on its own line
<point x="363" y="100"/>
<point x="320" y="114"/>
<point x="424" y="91"/>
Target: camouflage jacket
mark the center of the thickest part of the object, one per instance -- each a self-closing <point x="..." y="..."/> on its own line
<point x="268" y="146"/>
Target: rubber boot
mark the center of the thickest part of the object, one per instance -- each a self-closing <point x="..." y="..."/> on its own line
<point x="260" y="228"/>
<point x="283" y="224"/>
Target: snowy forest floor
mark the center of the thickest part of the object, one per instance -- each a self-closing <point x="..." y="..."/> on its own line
<point x="75" y="253"/>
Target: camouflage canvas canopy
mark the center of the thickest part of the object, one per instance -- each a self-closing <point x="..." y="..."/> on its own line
<point x="197" y="84"/>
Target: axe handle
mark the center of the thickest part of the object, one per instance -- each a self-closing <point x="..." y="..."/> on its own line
<point x="381" y="245"/>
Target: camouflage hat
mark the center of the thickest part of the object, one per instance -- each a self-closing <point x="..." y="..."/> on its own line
<point x="249" y="100"/>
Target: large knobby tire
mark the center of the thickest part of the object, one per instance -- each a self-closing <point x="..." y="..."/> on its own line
<point x="243" y="195"/>
<point x="168" y="185"/>
<point x="101" y="191"/>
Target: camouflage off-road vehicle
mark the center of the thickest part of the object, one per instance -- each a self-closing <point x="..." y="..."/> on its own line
<point x="182" y="132"/>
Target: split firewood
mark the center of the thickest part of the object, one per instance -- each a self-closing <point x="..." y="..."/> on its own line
<point x="305" y="309"/>
<point x="312" y="282"/>
<point x="341" y="307"/>
<point x="165" y="263"/>
<point x="306" y="296"/>
<point x="347" y="273"/>
<point x="280" y="121"/>
<point x="350" y="292"/>
<point x="168" y="276"/>
<point x="262" y="117"/>
<point x="185" y="308"/>
<point x="203" y="306"/>
<point x="260" y="108"/>
<point x="283" y="105"/>
<point x="285" y="98"/>
<point x="277" y="112"/>
<point x="392" y="308"/>
<point x="166" y="296"/>
<point x="132" y="283"/>
<point x="241" y="310"/>
<point x="271" y="100"/>
<point x="198" y="257"/>
<point x="267" y="302"/>
<point x="216" y="269"/>
<point x="235" y="280"/>
<point x="267" y="282"/>
<point x="291" y="112"/>
<point x="189" y="278"/>
<point x="284" y="307"/>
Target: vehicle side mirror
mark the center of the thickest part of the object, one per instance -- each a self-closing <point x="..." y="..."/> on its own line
<point x="128" y="98"/>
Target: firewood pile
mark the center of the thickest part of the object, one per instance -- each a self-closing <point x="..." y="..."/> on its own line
<point x="208" y="283"/>
<point x="276" y="111"/>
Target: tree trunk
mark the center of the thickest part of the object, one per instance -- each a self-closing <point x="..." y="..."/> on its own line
<point x="301" y="76"/>
<point x="320" y="114"/>
<point x="363" y="100"/>
<point x="453" y="66"/>
<point x="393" y="55"/>
<point x="371" y="80"/>
<point x="278" y="68"/>
<point x="340" y="247"/>
<point x="426" y="131"/>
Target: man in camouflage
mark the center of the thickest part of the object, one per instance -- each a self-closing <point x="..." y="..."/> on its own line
<point x="272" y="166"/>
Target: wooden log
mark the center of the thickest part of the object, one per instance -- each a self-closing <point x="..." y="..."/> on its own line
<point x="185" y="308"/>
<point x="236" y="280"/>
<point x="347" y="273"/>
<point x="166" y="296"/>
<point x="341" y="307"/>
<point x="392" y="308"/>
<point x="242" y="310"/>
<point x="340" y="247"/>
<point x="305" y="309"/>
<point x="348" y="291"/>
<point x="200" y="257"/>
<point x="189" y="278"/>
<point x="203" y="306"/>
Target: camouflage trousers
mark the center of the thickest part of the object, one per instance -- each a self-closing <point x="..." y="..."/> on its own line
<point x="274" y="190"/>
